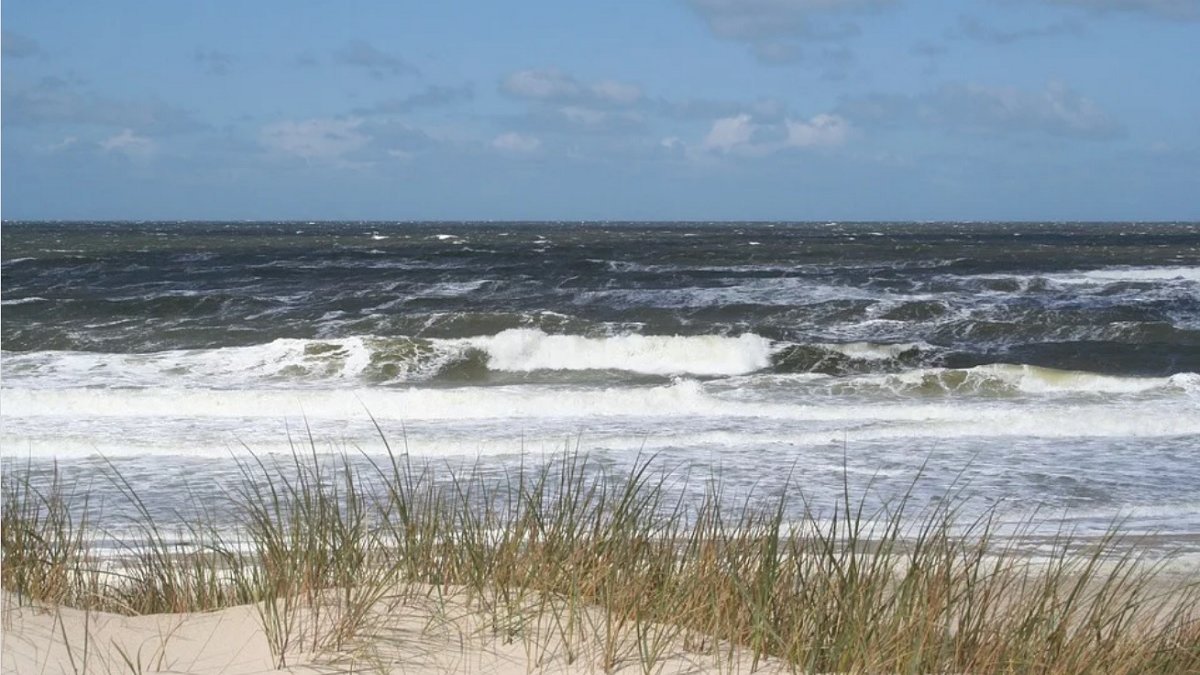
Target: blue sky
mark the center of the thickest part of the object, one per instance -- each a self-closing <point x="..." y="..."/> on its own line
<point x="633" y="109"/>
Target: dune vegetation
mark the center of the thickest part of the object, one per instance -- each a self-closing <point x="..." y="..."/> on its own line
<point x="577" y="564"/>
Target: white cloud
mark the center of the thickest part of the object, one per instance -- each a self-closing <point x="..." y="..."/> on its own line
<point x="730" y="133"/>
<point x="129" y="144"/>
<point x="743" y="135"/>
<point x="517" y="143"/>
<point x="820" y="130"/>
<point x="315" y="139"/>
<point x="584" y="116"/>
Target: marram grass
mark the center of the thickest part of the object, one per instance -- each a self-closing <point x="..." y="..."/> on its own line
<point x="615" y="566"/>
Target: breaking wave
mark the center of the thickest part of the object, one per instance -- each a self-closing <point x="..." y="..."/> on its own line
<point x="531" y="355"/>
<point x="1001" y="379"/>
<point x="382" y="360"/>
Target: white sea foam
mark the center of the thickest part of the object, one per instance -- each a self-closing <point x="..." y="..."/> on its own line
<point x="667" y="406"/>
<point x="870" y="351"/>
<point x="1188" y="383"/>
<point x="781" y="292"/>
<point x="444" y="289"/>
<point x="683" y="398"/>
<point x="524" y="350"/>
<point x="1023" y="378"/>
<point x="1128" y="274"/>
<point x="628" y="266"/>
<point x="22" y="301"/>
<point x="1106" y="276"/>
<point x="282" y="362"/>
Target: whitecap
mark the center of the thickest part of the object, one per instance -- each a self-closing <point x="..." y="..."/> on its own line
<point x="22" y="301"/>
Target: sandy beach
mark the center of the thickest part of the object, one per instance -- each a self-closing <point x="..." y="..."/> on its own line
<point x="417" y="635"/>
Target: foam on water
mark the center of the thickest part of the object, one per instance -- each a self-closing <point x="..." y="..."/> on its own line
<point x="1129" y="274"/>
<point x="22" y="301"/>
<point x="1001" y="378"/>
<point x="525" y="350"/>
<point x="774" y="292"/>
<point x="869" y="351"/>
<point x="682" y="399"/>
<point x="282" y="362"/>
<point x="966" y="385"/>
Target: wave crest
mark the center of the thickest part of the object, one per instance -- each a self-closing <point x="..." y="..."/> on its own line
<point x="1003" y="379"/>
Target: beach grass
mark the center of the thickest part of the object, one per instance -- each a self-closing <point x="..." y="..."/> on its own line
<point x="577" y="561"/>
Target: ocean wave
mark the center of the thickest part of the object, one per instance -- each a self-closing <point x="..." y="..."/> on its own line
<point x="526" y="350"/>
<point x="1003" y="379"/>
<point x="282" y="362"/>
<point x="382" y="360"/>
<point x="530" y="355"/>
<point x="870" y="351"/>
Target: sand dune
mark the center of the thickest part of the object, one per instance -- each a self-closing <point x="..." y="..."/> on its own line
<point x="414" y="634"/>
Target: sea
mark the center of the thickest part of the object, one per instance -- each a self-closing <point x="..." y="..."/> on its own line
<point x="1037" y="368"/>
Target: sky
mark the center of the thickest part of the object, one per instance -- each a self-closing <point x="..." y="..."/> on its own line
<point x="616" y="110"/>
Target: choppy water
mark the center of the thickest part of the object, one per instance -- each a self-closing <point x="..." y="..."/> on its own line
<point x="1055" y="365"/>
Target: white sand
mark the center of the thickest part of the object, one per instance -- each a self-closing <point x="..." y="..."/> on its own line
<point x="411" y="634"/>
